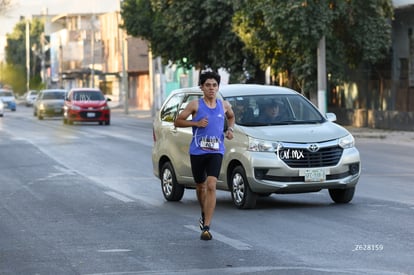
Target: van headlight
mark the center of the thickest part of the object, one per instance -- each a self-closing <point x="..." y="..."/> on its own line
<point x="260" y="145"/>
<point x="347" y="142"/>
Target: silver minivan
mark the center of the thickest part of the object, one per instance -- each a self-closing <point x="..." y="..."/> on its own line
<point x="300" y="151"/>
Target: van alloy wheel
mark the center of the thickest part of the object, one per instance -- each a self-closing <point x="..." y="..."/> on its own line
<point x="241" y="193"/>
<point x="171" y="189"/>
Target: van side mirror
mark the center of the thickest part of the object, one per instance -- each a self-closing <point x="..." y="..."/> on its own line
<point x="331" y="117"/>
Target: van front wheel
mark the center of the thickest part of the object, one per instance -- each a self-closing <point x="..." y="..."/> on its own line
<point x="342" y="195"/>
<point x="243" y="197"/>
<point x="171" y="189"/>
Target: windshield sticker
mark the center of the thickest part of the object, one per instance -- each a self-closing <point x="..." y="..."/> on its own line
<point x="83" y="97"/>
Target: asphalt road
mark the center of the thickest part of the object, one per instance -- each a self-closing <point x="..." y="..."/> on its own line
<point x="82" y="199"/>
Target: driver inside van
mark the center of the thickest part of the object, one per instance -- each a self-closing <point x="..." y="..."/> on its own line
<point x="271" y="112"/>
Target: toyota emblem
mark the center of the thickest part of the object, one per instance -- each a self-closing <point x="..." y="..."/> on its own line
<point x="313" y="148"/>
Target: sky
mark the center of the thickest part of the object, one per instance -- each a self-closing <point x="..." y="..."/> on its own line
<point x="53" y="7"/>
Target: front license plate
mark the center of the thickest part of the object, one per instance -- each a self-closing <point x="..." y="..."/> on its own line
<point x="90" y="114"/>
<point x="313" y="175"/>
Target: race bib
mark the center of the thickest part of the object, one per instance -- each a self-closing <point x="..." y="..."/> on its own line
<point x="210" y="143"/>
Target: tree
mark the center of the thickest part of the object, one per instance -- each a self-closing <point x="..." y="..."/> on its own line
<point x="284" y="35"/>
<point x="11" y="75"/>
<point x="254" y="35"/>
<point x="5" y="5"/>
<point x="16" y="54"/>
<point x="189" y="33"/>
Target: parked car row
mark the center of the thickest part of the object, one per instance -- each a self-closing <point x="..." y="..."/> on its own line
<point x="75" y="105"/>
<point x="299" y="151"/>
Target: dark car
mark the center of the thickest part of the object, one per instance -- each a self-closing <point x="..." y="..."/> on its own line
<point x="86" y="105"/>
<point x="49" y="103"/>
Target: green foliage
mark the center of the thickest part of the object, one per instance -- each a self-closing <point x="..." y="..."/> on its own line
<point x="285" y="34"/>
<point x="16" y="54"/>
<point x="199" y="32"/>
<point x="253" y="35"/>
<point x="12" y="75"/>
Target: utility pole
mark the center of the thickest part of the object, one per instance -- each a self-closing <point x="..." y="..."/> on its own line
<point x="44" y="48"/>
<point x="124" y="75"/>
<point x="321" y="53"/>
<point x="93" y="51"/>
<point x="27" y="54"/>
<point x="124" y="91"/>
<point x="152" y="79"/>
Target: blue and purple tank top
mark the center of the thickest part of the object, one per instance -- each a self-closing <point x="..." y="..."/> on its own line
<point x="210" y="139"/>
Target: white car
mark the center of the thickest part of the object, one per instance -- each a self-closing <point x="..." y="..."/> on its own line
<point x="30" y="97"/>
<point x="300" y="151"/>
<point x="1" y="108"/>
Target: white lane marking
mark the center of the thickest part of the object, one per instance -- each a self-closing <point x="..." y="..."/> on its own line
<point x="108" y="184"/>
<point x="124" y="187"/>
<point x="148" y="200"/>
<point x="118" y="196"/>
<point x="64" y="170"/>
<point x="220" y="237"/>
<point x="113" y="250"/>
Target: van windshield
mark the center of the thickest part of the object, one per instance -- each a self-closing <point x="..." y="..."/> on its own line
<point x="277" y="109"/>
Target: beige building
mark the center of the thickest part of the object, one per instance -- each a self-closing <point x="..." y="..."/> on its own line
<point x="87" y="50"/>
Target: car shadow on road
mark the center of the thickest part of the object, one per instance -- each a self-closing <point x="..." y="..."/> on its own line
<point x="287" y="201"/>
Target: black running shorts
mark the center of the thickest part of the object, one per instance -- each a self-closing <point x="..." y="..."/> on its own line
<point x="205" y="165"/>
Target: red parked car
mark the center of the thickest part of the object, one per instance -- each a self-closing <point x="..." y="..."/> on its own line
<point x="86" y="105"/>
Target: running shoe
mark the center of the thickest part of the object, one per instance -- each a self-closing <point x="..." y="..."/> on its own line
<point x="205" y="234"/>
